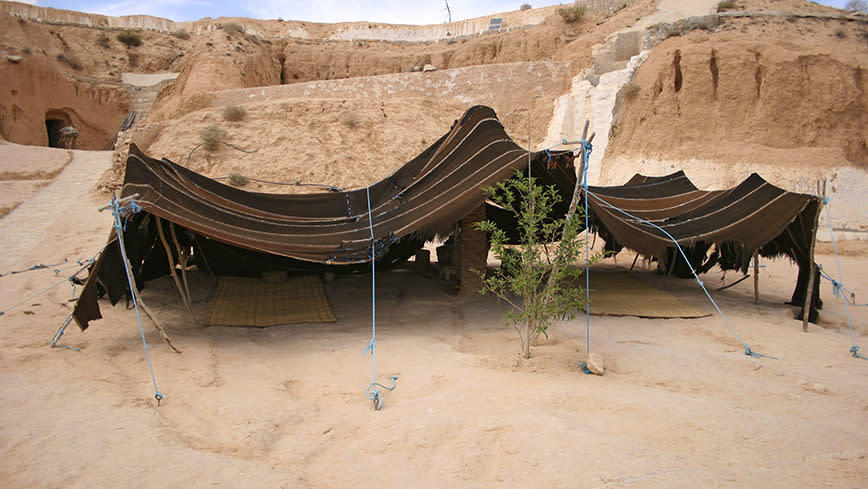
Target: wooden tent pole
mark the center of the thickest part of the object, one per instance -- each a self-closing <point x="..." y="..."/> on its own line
<point x="182" y="259"/>
<point x="172" y="267"/>
<point x="138" y="298"/>
<point x="812" y="275"/>
<point x="756" y="276"/>
<point x="156" y="323"/>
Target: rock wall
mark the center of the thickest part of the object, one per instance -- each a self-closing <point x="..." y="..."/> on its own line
<point x="519" y="83"/>
<point x="50" y="15"/>
<point x="35" y="90"/>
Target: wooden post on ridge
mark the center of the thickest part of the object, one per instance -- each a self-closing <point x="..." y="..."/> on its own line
<point x="812" y="276"/>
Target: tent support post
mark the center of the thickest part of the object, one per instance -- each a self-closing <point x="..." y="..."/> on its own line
<point x="204" y="258"/>
<point x="138" y="297"/>
<point x="182" y="260"/>
<point x="756" y="276"/>
<point x="634" y="261"/>
<point x="812" y="275"/>
<point x="156" y="324"/>
<point x="172" y="268"/>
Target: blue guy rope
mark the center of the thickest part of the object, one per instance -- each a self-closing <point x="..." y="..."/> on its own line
<point x="31" y="297"/>
<point x="120" y="211"/>
<point x="838" y="287"/>
<point x="372" y="392"/>
<point x="586" y="155"/>
<point x="747" y="349"/>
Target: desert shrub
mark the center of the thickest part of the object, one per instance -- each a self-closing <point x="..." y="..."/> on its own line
<point x="104" y="41"/>
<point x="351" y="120"/>
<point x="238" y="180"/>
<point x="525" y="6"/>
<point x="212" y="137"/>
<point x="840" y="33"/>
<point x="26" y="50"/>
<point x="181" y="33"/>
<point x="857" y="6"/>
<point x="234" y="113"/>
<point x="574" y="13"/>
<point x="70" y="60"/>
<point x="726" y="5"/>
<point x="130" y="38"/>
<point x="134" y="60"/>
<point x="232" y="28"/>
<point x="630" y="90"/>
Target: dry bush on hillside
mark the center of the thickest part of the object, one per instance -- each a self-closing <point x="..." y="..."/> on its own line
<point x="525" y="6"/>
<point x="212" y="136"/>
<point x="232" y="28"/>
<point x="726" y="5"/>
<point x="234" y="113"/>
<point x="130" y="38"/>
<point x="351" y="120"/>
<point x="630" y="90"/>
<point x="70" y="60"/>
<point x="573" y="14"/>
<point x="238" y="180"/>
<point x="857" y="6"/>
<point x="104" y="41"/>
<point x="181" y="33"/>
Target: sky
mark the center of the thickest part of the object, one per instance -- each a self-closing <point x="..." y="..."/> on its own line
<point x="420" y="12"/>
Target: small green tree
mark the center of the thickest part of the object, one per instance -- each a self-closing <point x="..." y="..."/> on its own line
<point x="539" y="280"/>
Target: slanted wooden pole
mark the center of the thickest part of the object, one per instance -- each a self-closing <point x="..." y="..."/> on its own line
<point x="183" y="256"/>
<point x="812" y="276"/>
<point x="172" y="267"/>
<point x="139" y="301"/>
<point x="756" y="276"/>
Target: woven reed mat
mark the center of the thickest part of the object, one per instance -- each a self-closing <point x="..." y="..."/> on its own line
<point x="242" y="301"/>
<point x="619" y="294"/>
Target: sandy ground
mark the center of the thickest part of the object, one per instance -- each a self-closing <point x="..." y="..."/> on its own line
<point x="679" y="406"/>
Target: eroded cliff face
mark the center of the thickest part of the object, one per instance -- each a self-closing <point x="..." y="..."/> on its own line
<point x="37" y="100"/>
<point x="734" y="96"/>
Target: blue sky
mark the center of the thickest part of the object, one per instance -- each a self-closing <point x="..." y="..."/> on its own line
<point x="390" y="11"/>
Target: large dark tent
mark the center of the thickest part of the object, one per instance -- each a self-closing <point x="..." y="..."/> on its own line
<point x="231" y="231"/>
<point x="234" y="231"/>
<point x="721" y="227"/>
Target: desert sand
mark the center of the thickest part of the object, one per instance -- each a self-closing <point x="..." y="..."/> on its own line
<point x="680" y="404"/>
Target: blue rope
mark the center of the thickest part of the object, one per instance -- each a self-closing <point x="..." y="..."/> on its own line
<point x="747" y="349"/>
<point x="119" y="212"/>
<point x="3" y="313"/>
<point x="56" y="272"/>
<point x="837" y="287"/>
<point x="372" y="392"/>
<point x="586" y="155"/>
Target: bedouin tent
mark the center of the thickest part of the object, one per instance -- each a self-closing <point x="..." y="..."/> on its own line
<point x="722" y="227"/>
<point x="233" y="231"/>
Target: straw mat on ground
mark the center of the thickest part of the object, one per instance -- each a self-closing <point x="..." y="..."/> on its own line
<point x="242" y="301"/>
<point x="619" y="294"/>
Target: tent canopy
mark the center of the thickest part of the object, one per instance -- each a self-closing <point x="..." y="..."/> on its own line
<point x="425" y="197"/>
<point x="233" y="231"/>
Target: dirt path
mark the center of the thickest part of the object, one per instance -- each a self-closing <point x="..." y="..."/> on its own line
<point x="26" y="226"/>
